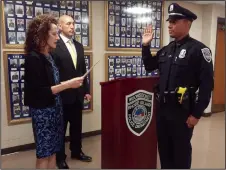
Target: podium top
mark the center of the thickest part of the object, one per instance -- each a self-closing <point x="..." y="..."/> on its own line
<point x="127" y="79"/>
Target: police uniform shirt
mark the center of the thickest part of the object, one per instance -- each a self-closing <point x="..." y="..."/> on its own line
<point x="185" y="63"/>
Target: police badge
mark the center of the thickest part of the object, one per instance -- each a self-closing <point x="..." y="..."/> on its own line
<point x="207" y="54"/>
<point x="182" y="53"/>
<point x="171" y="8"/>
<point x="139" y="111"/>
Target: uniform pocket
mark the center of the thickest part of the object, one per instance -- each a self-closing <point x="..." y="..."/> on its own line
<point x="181" y="66"/>
<point x="181" y="62"/>
<point x="162" y="58"/>
<point x="162" y="62"/>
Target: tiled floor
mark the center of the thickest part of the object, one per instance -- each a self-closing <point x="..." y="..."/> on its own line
<point x="208" y="148"/>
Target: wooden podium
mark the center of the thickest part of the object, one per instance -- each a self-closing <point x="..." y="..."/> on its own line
<point x="128" y="139"/>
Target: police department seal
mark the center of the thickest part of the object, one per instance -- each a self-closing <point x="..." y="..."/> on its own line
<point x="139" y="114"/>
<point x="139" y="111"/>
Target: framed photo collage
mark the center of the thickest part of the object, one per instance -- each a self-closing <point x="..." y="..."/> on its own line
<point x="125" y="24"/>
<point x="17" y="15"/>
<point x="126" y="21"/>
<point x="14" y="78"/>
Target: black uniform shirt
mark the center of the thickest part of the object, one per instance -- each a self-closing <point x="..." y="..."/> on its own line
<point x="186" y="63"/>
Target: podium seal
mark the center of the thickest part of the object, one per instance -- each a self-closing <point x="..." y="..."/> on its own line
<point x="139" y="111"/>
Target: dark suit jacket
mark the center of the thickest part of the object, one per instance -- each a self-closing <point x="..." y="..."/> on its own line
<point x="67" y="70"/>
<point x="38" y="80"/>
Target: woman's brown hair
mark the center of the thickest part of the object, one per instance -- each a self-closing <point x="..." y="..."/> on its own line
<point x="38" y="32"/>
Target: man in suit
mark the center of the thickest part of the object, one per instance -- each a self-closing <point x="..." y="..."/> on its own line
<point x="69" y="58"/>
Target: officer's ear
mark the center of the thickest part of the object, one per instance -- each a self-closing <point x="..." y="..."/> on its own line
<point x="190" y="23"/>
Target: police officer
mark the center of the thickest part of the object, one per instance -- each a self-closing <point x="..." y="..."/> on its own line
<point x="185" y="68"/>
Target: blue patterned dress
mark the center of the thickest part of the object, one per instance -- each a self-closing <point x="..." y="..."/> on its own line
<point x="48" y="123"/>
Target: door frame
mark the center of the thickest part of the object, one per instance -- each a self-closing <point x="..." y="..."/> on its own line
<point x="217" y="108"/>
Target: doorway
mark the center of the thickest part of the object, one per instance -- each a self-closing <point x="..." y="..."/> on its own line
<point x="218" y="103"/>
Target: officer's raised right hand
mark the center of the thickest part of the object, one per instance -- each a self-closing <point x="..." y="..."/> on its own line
<point x="147" y="35"/>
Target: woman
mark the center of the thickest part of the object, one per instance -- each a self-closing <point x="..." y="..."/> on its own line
<point x="42" y="88"/>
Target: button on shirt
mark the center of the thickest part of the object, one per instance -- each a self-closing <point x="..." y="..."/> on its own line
<point x="71" y="48"/>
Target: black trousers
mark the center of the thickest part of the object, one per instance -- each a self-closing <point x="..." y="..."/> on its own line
<point x="174" y="137"/>
<point x="73" y="115"/>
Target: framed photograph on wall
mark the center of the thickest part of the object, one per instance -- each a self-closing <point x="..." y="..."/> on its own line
<point x="88" y="105"/>
<point x="17" y="112"/>
<point x="125" y="65"/>
<point x="18" y="14"/>
<point x="125" y="22"/>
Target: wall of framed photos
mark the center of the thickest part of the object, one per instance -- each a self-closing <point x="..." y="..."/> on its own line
<point x="125" y="23"/>
<point x="14" y="85"/>
<point x="17" y="14"/>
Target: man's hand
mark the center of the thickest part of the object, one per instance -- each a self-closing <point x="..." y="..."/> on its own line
<point x="88" y="97"/>
<point x="148" y="35"/>
<point x="192" y="121"/>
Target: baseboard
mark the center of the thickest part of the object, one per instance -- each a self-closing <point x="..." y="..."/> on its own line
<point x="215" y="110"/>
<point x="31" y="146"/>
<point x="218" y="108"/>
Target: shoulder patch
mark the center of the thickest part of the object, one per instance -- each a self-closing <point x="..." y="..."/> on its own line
<point x="206" y="54"/>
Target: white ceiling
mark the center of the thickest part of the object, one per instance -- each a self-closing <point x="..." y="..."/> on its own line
<point x="209" y="2"/>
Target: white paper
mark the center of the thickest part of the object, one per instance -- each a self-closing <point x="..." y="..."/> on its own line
<point x="90" y="69"/>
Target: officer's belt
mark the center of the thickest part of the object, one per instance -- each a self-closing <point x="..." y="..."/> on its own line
<point x="169" y="97"/>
